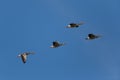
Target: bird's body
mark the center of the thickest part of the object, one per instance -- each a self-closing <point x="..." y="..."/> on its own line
<point x="92" y="36"/>
<point x="24" y="58"/>
<point x="56" y="44"/>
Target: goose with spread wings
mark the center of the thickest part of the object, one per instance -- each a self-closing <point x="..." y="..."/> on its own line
<point x="56" y="44"/>
<point x="74" y="25"/>
<point x="24" y="56"/>
<point x="92" y="36"/>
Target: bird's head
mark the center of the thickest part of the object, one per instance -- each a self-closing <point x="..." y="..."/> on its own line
<point x="52" y="46"/>
<point x="19" y="55"/>
<point x="68" y="26"/>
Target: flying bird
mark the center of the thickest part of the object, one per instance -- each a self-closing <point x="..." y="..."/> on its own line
<point x="92" y="36"/>
<point x="56" y="44"/>
<point x="75" y="25"/>
<point x="24" y="56"/>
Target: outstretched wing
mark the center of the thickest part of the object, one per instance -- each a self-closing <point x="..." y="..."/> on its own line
<point x="27" y="53"/>
<point x="81" y="23"/>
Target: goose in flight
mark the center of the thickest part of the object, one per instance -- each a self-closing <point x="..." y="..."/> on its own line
<point x="56" y="44"/>
<point x="24" y="56"/>
<point x="92" y="36"/>
<point x="75" y="25"/>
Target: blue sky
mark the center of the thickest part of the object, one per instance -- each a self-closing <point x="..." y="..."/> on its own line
<point x="32" y="25"/>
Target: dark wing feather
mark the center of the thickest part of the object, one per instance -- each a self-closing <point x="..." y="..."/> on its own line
<point x="27" y="53"/>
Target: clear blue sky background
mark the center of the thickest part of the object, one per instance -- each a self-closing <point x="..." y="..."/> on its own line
<point x="32" y="25"/>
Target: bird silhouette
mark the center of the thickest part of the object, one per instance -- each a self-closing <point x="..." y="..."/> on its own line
<point x="56" y="44"/>
<point x="24" y="56"/>
<point x="75" y="25"/>
<point x="92" y="36"/>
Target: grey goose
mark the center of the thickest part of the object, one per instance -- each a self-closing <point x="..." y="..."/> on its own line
<point x="24" y="56"/>
<point x="92" y="36"/>
<point x="56" y="44"/>
<point x="74" y="25"/>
